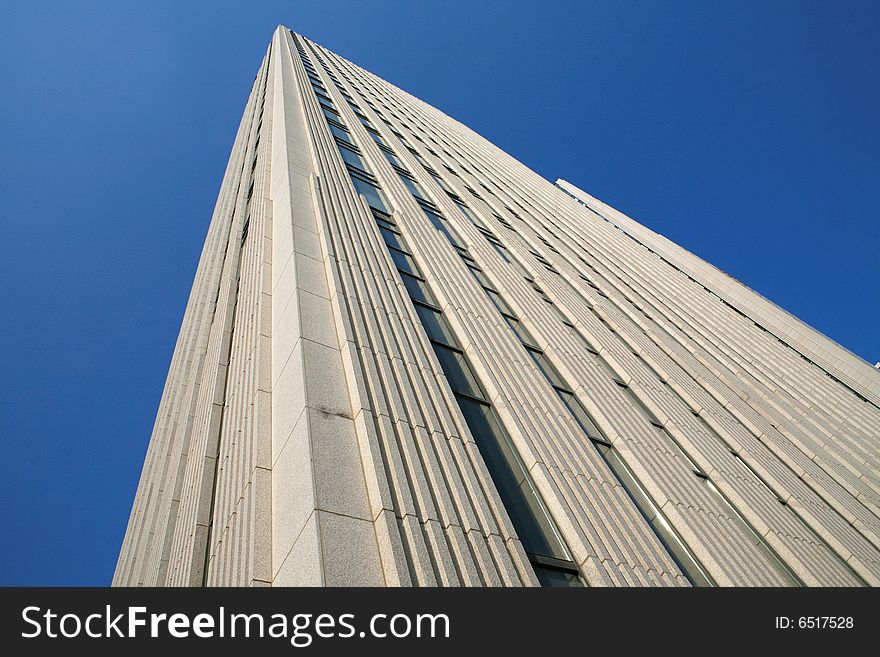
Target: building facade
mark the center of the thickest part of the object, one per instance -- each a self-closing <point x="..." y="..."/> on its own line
<point x="408" y="360"/>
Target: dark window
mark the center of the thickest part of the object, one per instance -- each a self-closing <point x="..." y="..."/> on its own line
<point x="350" y="157"/>
<point x="463" y="252"/>
<point x="549" y="370"/>
<point x="438" y="223"/>
<point x="391" y="157"/>
<point x="427" y="205"/>
<point x="653" y="419"/>
<point x="417" y="289"/>
<point x="435" y="325"/>
<point x="502" y="252"/>
<point x="479" y="275"/>
<point x="674" y="544"/>
<point x="458" y="372"/>
<point x="557" y="577"/>
<point x="500" y="303"/>
<point x="385" y="221"/>
<point x="468" y="214"/>
<point x="391" y="238"/>
<point x="521" y="332"/>
<point x="323" y="97"/>
<point x="546" y="299"/>
<point x="676" y="449"/>
<point x="440" y="182"/>
<point x="527" y="511"/>
<point x="404" y="262"/>
<point x="769" y="554"/>
<point x="340" y="133"/>
<point x="580" y="414"/>
<point x="412" y="186"/>
<point x="371" y="192"/>
<point x="333" y="115"/>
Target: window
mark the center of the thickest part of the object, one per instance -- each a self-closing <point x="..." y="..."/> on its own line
<point x="435" y="325"/>
<point x="418" y="156"/>
<point x="438" y="223"/>
<point x="679" y="551"/>
<point x="653" y="419"/>
<point x="467" y="213"/>
<point x="412" y="186"/>
<point x="500" y="303"/>
<point x="384" y="220"/>
<point x="401" y="138"/>
<point x="350" y="157"/>
<point x="331" y="114"/>
<point x="371" y="192"/>
<point x="531" y="520"/>
<point x="378" y="139"/>
<point x="676" y="449"/>
<point x="473" y="192"/>
<point x="527" y="511"/>
<point x="546" y="299"/>
<point x="323" y="97"/>
<point x="667" y="535"/>
<point x="583" y="418"/>
<point x="495" y="242"/>
<point x="391" y="238"/>
<point x="458" y="372"/>
<point x="478" y="273"/>
<point x="427" y="205"/>
<point x="417" y="289"/>
<point x="769" y="554"/>
<point x="552" y="374"/>
<point x="391" y="157"/>
<point x="524" y="336"/>
<point x="439" y="181"/>
<point x="340" y="133"/>
<point x="557" y="577"/>
<point x="403" y="261"/>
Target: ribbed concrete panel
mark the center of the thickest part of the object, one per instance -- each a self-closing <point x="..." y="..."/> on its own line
<point x="676" y="427"/>
<point x="850" y="368"/>
<point x="165" y="541"/>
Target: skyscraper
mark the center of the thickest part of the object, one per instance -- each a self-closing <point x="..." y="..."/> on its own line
<point x="408" y="360"/>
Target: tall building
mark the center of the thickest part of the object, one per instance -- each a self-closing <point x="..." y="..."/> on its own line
<point x="408" y="360"/>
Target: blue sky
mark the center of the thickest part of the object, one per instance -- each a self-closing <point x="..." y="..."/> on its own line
<point x="745" y="131"/>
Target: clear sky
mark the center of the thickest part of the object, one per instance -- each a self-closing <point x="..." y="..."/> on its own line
<point x="745" y="131"/>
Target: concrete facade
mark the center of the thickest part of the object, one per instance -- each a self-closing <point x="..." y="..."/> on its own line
<point x="641" y="418"/>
